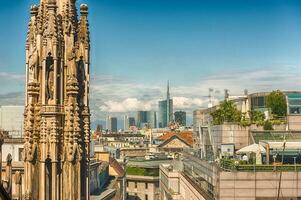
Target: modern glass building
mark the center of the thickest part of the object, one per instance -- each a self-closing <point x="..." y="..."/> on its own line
<point x="294" y="103"/>
<point x="180" y="118"/>
<point x="147" y="118"/>
<point x="132" y="121"/>
<point x="128" y="122"/>
<point x="165" y="110"/>
<point x="258" y="102"/>
<point x="112" y="124"/>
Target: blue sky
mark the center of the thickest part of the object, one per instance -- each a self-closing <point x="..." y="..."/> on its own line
<point x="137" y="45"/>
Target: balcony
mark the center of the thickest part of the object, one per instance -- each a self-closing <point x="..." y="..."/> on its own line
<point x="50" y="109"/>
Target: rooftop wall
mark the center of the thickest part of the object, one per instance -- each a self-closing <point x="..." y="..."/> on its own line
<point x="259" y="185"/>
<point x="230" y="133"/>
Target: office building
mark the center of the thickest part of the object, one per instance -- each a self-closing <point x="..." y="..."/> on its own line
<point x="147" y="118"/>
<point x="132" y="121"/>
<point x="165" y="110"/>
<point x="111" y="124"/>
<point x="180" y="118"/>
<point x="128" y="122"/>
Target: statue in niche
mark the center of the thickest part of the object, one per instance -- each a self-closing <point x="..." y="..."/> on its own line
<point x="71" y="62"/>
<point x="81" y="77"/>
<point x="33" y="63"/>
<point x="49" y="79"/>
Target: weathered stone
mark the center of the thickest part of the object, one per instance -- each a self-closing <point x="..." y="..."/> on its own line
<point x="57" y="115"/>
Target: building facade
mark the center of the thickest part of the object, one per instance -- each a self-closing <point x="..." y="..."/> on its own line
<point x="128" y="122"/>
<point x="112" y="124"/>
<point x="142" y="187"/>
<point x="165" y="110"/>
<point x="180" y="118"/>
<point x="57" y="116"/>
<point x="146" y="118"/>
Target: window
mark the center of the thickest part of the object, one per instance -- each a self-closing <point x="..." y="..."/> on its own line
<point x="294" y="102"/>
<point x="295" y="110"/>
<point x="146" y="197"/>
<point x="258" y="102"/>
<point x="135" y="184"/>
<point x="146" y="186"/>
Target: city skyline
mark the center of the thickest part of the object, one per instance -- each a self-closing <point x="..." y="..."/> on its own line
<point x="150" y="100"/>
<point x="136" y="45"/>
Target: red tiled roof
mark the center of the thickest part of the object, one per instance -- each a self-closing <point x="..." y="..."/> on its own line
<point x="184" y="135"/>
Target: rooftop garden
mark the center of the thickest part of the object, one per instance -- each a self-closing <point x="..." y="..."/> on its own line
<point x="275" y="102"/>
<point x="138" y="171"/>
<point x="240" y="165"/>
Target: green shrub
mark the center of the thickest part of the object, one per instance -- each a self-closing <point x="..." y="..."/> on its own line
<point x="257" y="116"/>
<point x="245" y="123"/>
<point x="276" y="101"/>
<point x="227" y="112"/>
<point x="139" y="171"/>
<point x="277" y="122"/>
<point x="268" y="125"/>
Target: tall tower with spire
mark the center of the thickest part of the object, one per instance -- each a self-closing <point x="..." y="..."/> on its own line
<point x="165" y="110"/>
<point x="169" y="113"/>
<point x="57" y="116"/>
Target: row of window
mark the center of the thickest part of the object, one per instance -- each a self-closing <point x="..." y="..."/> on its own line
<point x="127" y="184"/>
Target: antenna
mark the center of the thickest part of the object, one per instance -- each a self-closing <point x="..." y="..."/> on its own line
<point x="226" y="94"/>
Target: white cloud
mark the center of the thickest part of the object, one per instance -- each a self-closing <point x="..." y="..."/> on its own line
<point x="187" y="103"/>
<point x="119" y="95"/>
<point x="127" y="105"/>
<point x="12" y="76"/>
<point x="113" y="94"/>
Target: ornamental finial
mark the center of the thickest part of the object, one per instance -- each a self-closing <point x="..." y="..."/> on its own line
<point x="84" y="9"/>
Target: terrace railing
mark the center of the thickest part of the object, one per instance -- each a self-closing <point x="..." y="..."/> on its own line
<point x="230" y="165"/>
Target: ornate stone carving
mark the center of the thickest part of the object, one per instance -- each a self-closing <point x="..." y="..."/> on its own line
<point x="50" y="79"/>
<point x="57" y="119"/>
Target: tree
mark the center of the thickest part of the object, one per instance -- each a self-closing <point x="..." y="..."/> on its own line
<point x="268" y="125"/>
<point x="227" y="112"/>
<point x="257" y="116"/>
<point x="276" y="101"/>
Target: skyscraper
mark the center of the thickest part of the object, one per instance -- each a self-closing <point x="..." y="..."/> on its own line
<point x="112" y="124"/>
<point x="180" y="118"/>
<point x="128" y="122"/>
<point x="146" y="118"/>
<point x="165" y="110"/>
<point x="132" y="121"/>
<point x="57" y="116"/>
<point x="151" y="119"/>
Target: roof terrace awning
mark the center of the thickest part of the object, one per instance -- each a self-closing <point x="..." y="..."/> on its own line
<point x="253" y="148"/>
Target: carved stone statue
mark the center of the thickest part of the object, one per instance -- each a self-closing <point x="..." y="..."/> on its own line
<point x="50" y="79"/>
<point x="33" y="64"/>
<point x="71" y="62"/>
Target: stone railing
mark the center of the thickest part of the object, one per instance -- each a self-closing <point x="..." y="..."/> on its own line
<point x="48" y="109"/>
